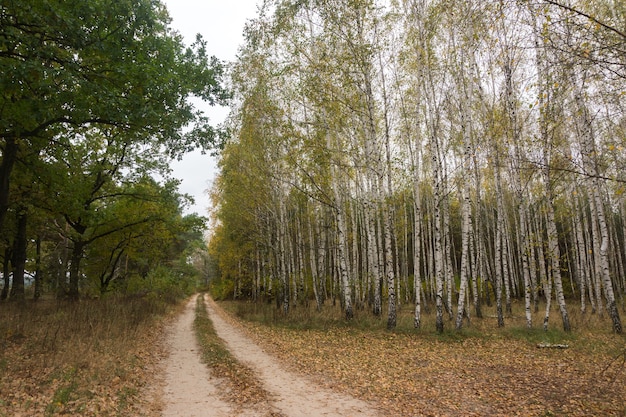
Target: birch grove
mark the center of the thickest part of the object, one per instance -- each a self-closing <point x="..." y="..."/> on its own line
<point x="449" y="153"/>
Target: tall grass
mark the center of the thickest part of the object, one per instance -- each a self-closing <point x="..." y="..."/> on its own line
<point x="84" y="358"/>
<point x="305" y="316"/>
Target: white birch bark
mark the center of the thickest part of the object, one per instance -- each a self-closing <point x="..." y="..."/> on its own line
<point x="466" y="88"/>
<point x="372" y="259"/>
<point x="417" y="238"/>
<point x="555" y="254"/>
<point x="547" y="281"/>
<point x="417" y="249"/>
<point x="581" y="254"/>
<point x="387" y="194"/>
<point x="593" y="233"/>
<point x="404" y="267"/>
<point x="282" y="266"/>
<point x="506" y="264"/>
<point x="322" y="263"/>
<point x="498" y="263"/>
<point x="313" y="259"/>
<point x="545" y="121"/>
<point x="342" y="244"/>
<point x="589" y="151"/>
<point x="355" y="253"/>
<point x="447" y="244"/>
<point x="437" y="221"/>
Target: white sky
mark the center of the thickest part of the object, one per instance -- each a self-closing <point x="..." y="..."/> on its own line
<point x="220" y="22"/>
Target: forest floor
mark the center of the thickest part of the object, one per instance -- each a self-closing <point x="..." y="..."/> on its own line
<point x="308" y="363"/>
<point x="341" y="370"/>
<point x="478" y="371"/>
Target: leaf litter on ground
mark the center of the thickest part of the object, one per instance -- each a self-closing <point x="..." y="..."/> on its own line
<point x="418" y="374"/>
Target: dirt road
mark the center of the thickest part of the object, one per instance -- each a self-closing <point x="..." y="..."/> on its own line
<point x="191" y="390"/>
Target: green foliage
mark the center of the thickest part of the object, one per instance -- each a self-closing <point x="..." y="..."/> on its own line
<point x="102" y="62"/>
<point x="163" y="283"/>
<point x="222" y="288"/>
<point x="89" y="117"/>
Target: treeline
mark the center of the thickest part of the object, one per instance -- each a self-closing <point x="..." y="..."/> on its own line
<point x="93" y="102"/>
<point x="447" y="152"/>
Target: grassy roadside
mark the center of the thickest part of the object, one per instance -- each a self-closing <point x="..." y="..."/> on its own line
<point x="480" y="370"/>
<point x="91" y="358"/>
<point x="242" y="387"/>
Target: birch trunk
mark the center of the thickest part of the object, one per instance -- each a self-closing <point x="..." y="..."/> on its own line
<point x="417" y="240"/>
<point x="342" y="243"/>
<point x="589" y="152"/>
<point x="498" y="242"/>
<point x="313" y="260"/>
<point x="447" y="246"/>
<point x="439" y="266"/>
<point x="391" y="278"/>
<point x="372" y="259"/>
<point x="547" y="284"/>
<point x="581" y="254"/>
<point x="282" y="264"/>
<point x="466" y="87"/>
<point x="387" y="194"/>
<point x="417" y="243"/>
<point x="506" y="262"/>
<point x="555" y="255"/>
<point x="354" y="244"/>
<point x="547" y="137"/>
<point x="465" y="241"/>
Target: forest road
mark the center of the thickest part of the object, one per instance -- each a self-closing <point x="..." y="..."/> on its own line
<point x="191" y="391"/>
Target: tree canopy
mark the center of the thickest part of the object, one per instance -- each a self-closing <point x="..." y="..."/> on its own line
<point x="440" y="152"/>
<point x="95" y="101"/>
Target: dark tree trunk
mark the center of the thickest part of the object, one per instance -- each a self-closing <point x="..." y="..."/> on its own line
<point x="19" y="257"/>
<point x="107" y="277"/>
<point x="9" y="156"/>
<point x="37" y="293"/>
<point x="77" y="255"/>
<point x="6" y="273"/>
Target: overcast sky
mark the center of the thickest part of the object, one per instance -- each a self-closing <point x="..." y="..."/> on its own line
<point x="221" y="24"/>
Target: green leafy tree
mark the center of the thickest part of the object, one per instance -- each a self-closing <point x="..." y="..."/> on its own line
<point x="68" y="66"/>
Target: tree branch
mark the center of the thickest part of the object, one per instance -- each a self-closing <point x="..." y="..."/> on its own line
<point x="593" y="19"/>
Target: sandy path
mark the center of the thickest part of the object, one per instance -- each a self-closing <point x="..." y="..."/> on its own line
<point x="189" y="390"/>
<point x="293" y="395"/>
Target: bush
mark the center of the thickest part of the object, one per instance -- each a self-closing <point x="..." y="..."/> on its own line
<point x="222" y="289"/>
<point x="165" y="283"/>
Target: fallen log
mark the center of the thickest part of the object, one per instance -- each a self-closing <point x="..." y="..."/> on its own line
<point x="552" y="346"/>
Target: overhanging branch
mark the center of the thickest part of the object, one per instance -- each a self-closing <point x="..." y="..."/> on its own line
<point x="587" y="16"/>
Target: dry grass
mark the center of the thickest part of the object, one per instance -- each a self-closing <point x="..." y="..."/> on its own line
<point x="481" y="370"/>
<point x="91" y="358"/>
<point x="96" y="358"/>
<point x="239" y="384"/>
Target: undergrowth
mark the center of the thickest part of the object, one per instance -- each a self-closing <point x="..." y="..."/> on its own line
<point x="86" y="358"/>
<point x="306" y="317"/>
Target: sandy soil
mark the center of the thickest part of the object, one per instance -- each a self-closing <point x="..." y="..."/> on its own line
<point x="294" y="395"/>
<point x="189" y="389"/>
